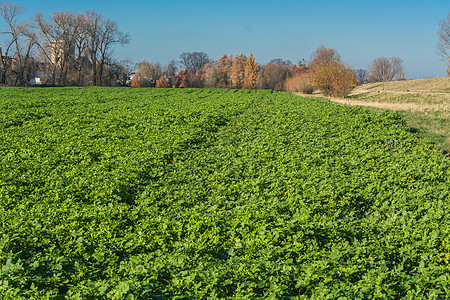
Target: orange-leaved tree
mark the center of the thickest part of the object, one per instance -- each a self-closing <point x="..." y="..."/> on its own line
<point x="237" y="71"/>
<point x="223" y="70"/>
<point x="251" y="73"/>
<point x="182" y="80"/>
<point x="162" y="82"/>
<point x="134" y="82"/>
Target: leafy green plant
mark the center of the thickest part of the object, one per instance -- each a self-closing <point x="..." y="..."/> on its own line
<point x="188" y="194"/>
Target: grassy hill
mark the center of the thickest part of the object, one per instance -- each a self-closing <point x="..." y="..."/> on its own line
<point x="432" y="85"/>
<point x="424" y="103"/>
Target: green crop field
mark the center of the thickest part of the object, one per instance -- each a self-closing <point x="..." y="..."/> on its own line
<point x="423" y="103"/>
<point x="117" y="193"/>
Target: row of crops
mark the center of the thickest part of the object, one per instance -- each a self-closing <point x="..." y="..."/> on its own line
<point x="194" y="194"/>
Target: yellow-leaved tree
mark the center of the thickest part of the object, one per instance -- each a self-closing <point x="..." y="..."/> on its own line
<point x="251" y="73"/>
<point x="329" y="74"/>
<point x="237" y="71"/>
<point x="223" y="71"/>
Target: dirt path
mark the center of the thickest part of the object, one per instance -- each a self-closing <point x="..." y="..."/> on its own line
<point x="394" y="106"/>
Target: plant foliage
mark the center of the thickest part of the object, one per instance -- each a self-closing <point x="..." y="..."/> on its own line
<point x="194" y="194"/>
<point x="333" y="78"/>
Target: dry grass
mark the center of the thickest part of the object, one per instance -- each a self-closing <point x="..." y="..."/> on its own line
<point x="425" y="104"/>
<point x="434" y="85"/>
<point x="300" y="83"/>
<point x="444" y="108"/>
<point x="424" y="92"/>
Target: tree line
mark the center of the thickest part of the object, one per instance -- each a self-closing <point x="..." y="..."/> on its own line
<point x="76" y="49"/>
<point x="62" y="49"/>
<point x="324" y="71"/>
<point x="198" y="70"/>
<point x="443" y="45"/>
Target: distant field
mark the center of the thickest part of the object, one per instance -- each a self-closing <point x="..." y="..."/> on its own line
<point x="424" y="103"/>
<point x="119" y="193"/>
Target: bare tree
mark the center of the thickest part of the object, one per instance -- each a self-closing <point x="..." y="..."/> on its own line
<point x="109" y="35"/>
<point x="170" y="71"/>
<point x="384" y="69"/>
<point x="148" y="73"/>
<point x="70" y="29"/>
<point x="102" y="34"/>
<point x="129" y="68"/>
<point x="25" y="58"/>
<point x="443" y="44"/>
<point x="51" y="43"/>
<point x="273" y="76"/>
<point x="192" y="62"/>
<point x="93" y="24"/>
<point x="361" y="76"/>
<point x="379" y="69"/>
<point x="119" y="71"/>
<point x="63" y="41"/>
<point x="323" y="55"/>
<point x="280" y="61"/>
<point x="209" y="74"/>
<point x="81" y="46"/>
<point x="9" y="13"/>
<point x="72" y="47"/>
<point x="20" y="42"/>
<point x="397" y="70"/>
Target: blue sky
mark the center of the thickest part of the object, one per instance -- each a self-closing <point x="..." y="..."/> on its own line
<point x="359" y="30"/>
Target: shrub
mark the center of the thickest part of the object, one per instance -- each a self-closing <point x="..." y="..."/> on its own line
<point x="307" y="89"/>
<point x="300" y="83"/>
<point x="333" y="78"/>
